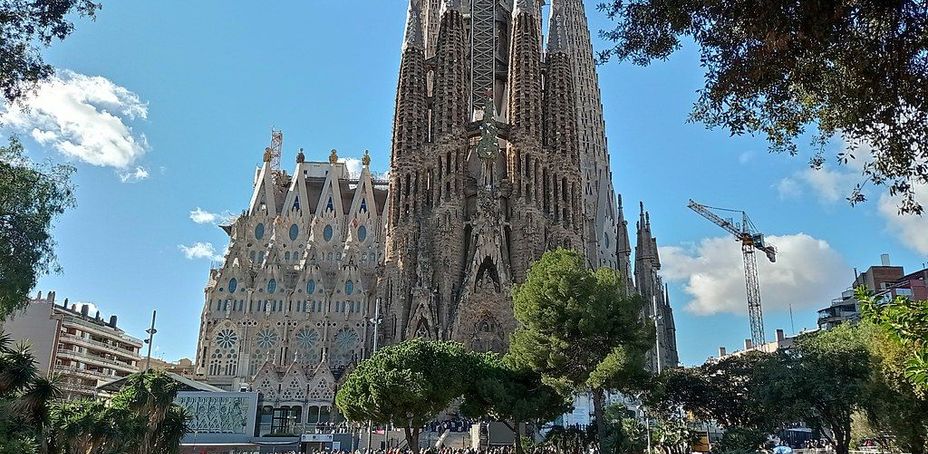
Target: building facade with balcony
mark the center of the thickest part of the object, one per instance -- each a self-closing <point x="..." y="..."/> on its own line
<point x="885" y="281"/>
<point x="83" y="349"/>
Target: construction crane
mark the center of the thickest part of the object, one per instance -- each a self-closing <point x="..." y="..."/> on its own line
<point x="277" y="142"/>
<point x="750" y="240"/>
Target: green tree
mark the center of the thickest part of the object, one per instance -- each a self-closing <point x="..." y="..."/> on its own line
<point x="732" y="391"/>
<point x="823" y="381"/>
<point x="31" y="197"/>
<point x="511" y="394"/>
<point x="906" y="321"/>
<point x="780" y="68"/>
<point x="24" y="27"/>
<point x="893" y="406"/>
<point x="406" y="384"/>
<point x="579" y="328"/>
<point x="141" y="418"/>
<point x="150" y="397"/>
<point x="624" y="433"/>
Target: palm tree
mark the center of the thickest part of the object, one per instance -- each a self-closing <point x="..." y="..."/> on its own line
<point x="34" y="405"/>
<point x="17" y="366"/>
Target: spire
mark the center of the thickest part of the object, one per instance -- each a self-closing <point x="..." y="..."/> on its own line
<point x="645" y="243"/>
<point x="525" y="6"/>
<point x="414" y="36"/>
<point x="557" y="42"/>
<point x="525" y="96"/>
<point x="451" y="106"/>
<point x="449" y="5"/>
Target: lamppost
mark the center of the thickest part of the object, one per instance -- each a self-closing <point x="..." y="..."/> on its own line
<point x="151" y="337"/>
<point x="376" y="322"/>
<point x="657" y="333"/>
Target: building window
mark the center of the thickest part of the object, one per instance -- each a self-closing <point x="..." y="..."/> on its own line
<point x="327" y="233"/>
<point x="271" y="286"/>
<point x="233" y="284"/>
<point x="294" y="232"/>
<point x="259" y="231"/>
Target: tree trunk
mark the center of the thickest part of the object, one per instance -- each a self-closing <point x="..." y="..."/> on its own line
<point x="598" y="402"/>
<point x="517" y="435"/>
<point x="412" y="438"/>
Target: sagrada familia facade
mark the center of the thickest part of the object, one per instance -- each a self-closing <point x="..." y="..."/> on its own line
<point x="498" y="154"/>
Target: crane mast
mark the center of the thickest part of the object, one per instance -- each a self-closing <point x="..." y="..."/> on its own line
<point x="750" y="240"/>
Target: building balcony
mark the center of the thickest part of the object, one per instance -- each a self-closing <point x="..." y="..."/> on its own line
<point x="83" y="373"/>
<point x="97" y="360"/>
<point x="109" y="348"/>
<point x="71" y="320"/>
<point x="76" y="389"/>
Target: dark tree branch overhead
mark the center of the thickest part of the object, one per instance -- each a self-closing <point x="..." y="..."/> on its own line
<point x="25" y="27"/>
<point x="855" y="69"/>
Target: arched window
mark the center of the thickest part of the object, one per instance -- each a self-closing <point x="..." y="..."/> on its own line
<point x="259" y="231"/>
<point x="362" y="233"/>
<point x="294" y="232"/>
<point x="327" y="233"/>
<point x="311" y="286"/>
<point x="349" y="287"/>
<point x="272" y="286"/>
<point x="233" y="284"/>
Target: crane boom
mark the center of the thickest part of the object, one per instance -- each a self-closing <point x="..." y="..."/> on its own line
<point x="750" y="240"/>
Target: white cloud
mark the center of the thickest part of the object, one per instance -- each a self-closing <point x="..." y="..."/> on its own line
<point x="828" y="184"/>
<point x="91" y="307"/>
<point x="200" y="250"/>
<point x="83" y="117"/>
<point x="134" y="176"/>
<point x="788" y="188"/>
<point x="201" y="216"/>
<point x="808" y="273"/>
<point x="354" y="167"/>
<point x="911" y="229"/>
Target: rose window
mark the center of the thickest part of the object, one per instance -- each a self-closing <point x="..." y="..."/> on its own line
<point x="267" y="339"/>
<point x="226" y="338"/>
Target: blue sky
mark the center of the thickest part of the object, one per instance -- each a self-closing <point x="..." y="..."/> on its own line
<point x="178" y="99"/>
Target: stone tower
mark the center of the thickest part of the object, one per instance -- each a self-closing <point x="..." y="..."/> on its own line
<point x="499" y="154"/>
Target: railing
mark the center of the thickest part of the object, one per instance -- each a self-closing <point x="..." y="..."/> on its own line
<point x="68" y="387"/>
<point x="109" y="347"/>
<point x="75" y="319"/>
<point x="81" y="356"/>
<point x="85" y="372"/>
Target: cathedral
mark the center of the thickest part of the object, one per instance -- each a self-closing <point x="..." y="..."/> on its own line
<point x="498" y="154"/>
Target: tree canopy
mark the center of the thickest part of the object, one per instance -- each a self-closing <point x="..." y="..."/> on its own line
<point x="406" y="384"/>
<point x="31" y="197"/>
<point x="579" y="328"/>
<point x="782" y="69"/>
<point x="506" y="392"/>
<point x="25" y="27"/>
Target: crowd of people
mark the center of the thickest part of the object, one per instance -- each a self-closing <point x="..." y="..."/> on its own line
<point x="453" y="425"/>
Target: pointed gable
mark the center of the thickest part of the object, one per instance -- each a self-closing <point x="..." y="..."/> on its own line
<point x="264" y="197"/>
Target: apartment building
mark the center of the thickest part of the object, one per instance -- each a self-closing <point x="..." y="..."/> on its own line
<point x="81" y="348"/>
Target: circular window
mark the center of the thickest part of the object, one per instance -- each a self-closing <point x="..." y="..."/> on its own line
<point x="362" y="233"/>
<point x="259" y="231"/>
<point x="327" y="233"/>
<point x="267" y="338"/>
<point x="271" y="286"/>
<point x="349" y="287"/>
<point x="311" y="286"/>
<point x="226" y="338"/>
<point x="233" y="284"/>
<point x="294" y="232"/>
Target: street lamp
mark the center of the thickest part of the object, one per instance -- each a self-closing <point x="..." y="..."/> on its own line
<point x="151" y="337"/>
<point x="657" y="333"/>
<point x="376" y="322"/>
